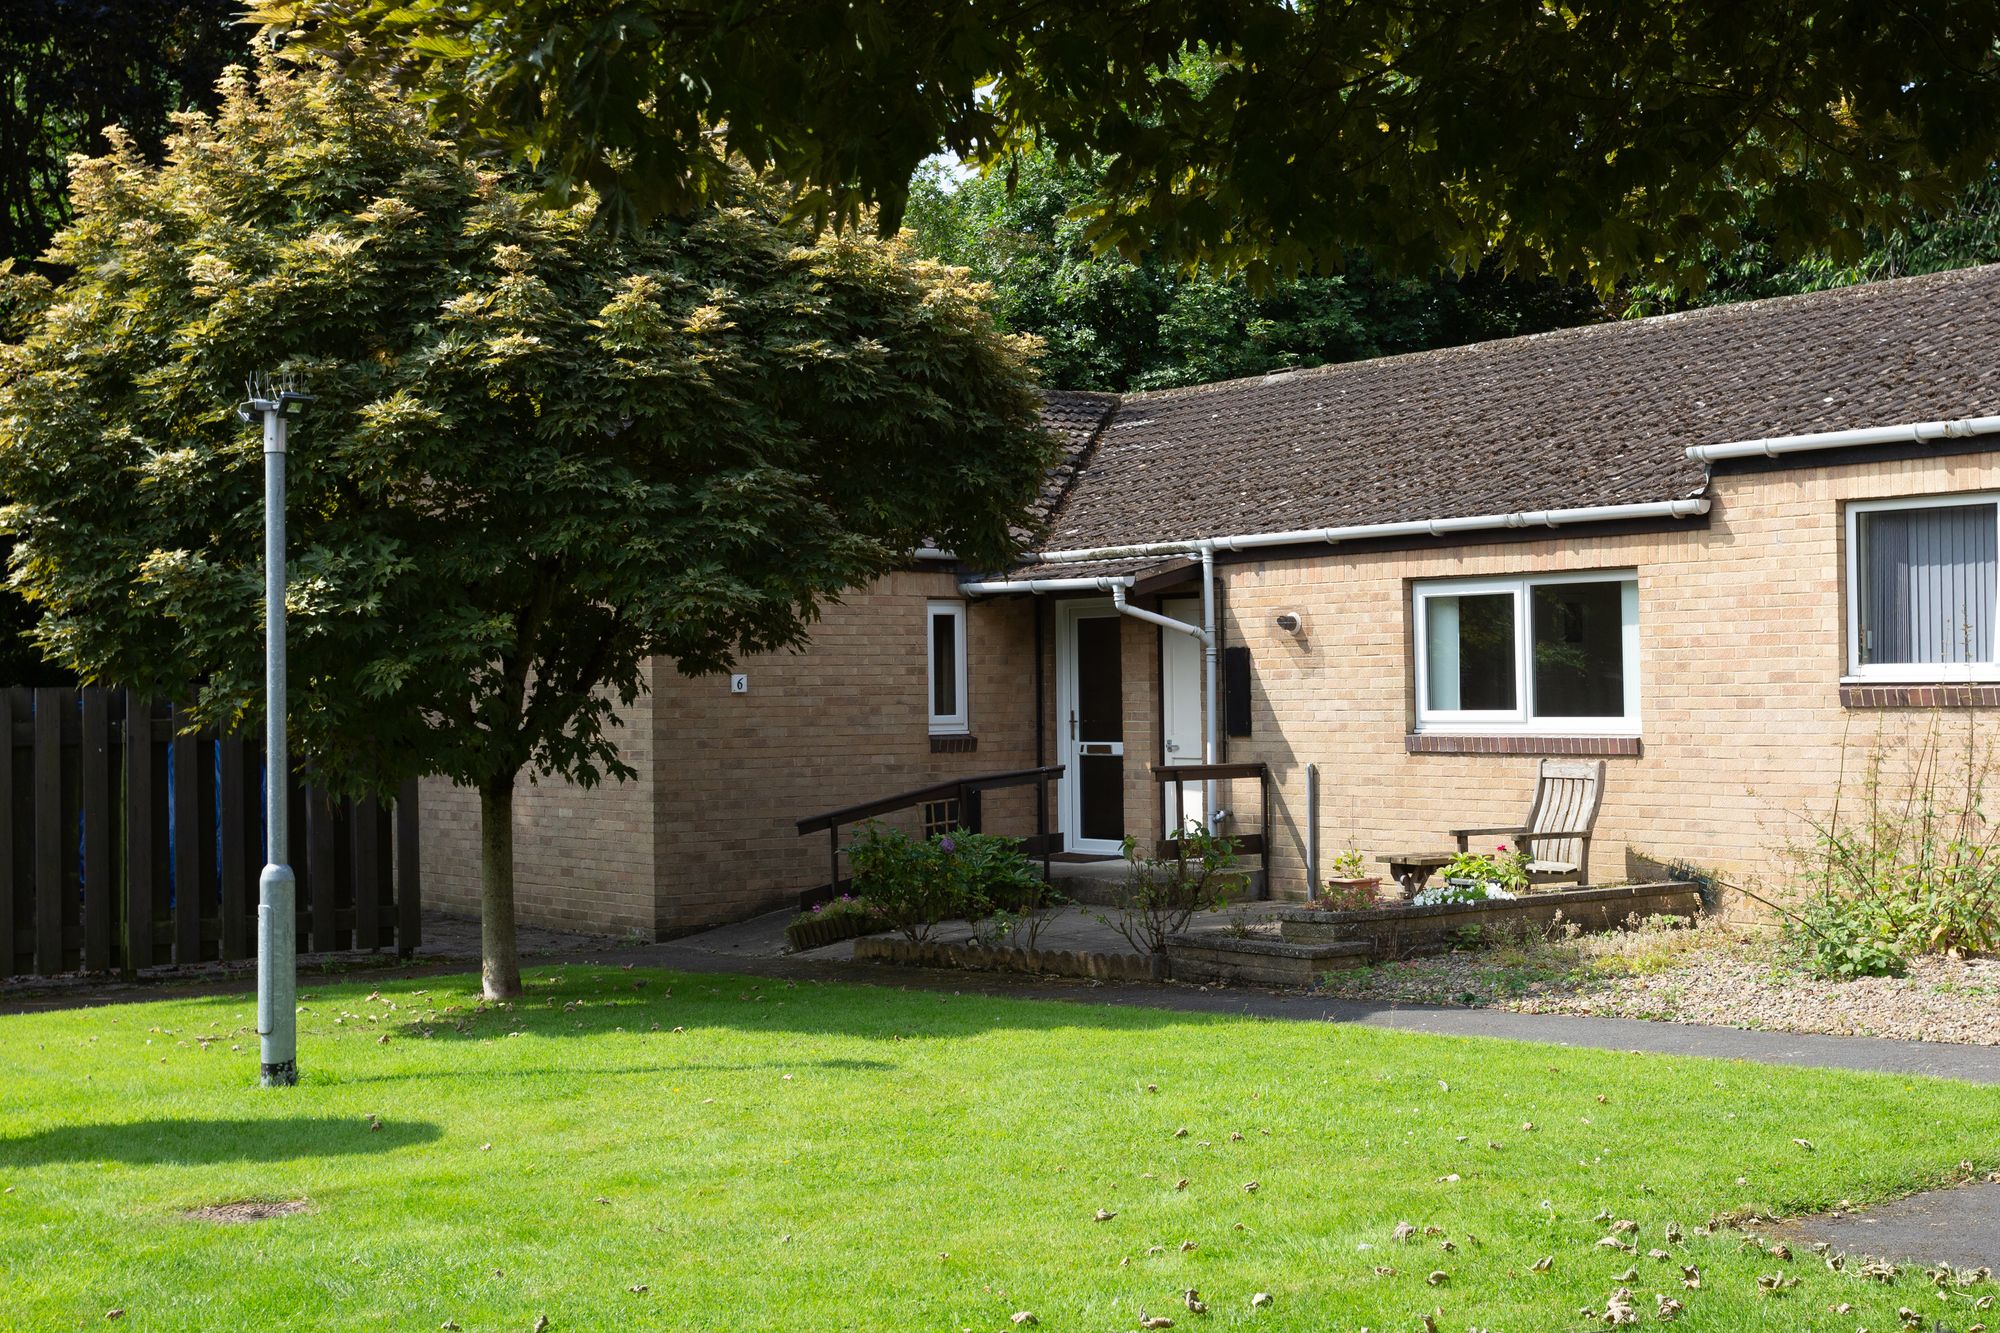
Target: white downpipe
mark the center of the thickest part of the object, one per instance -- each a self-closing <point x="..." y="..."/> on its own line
<point x="1209" y="748"/>
<point x="1908" y="432"/>
<point x="1125" y="608"/>
<point x="1423" y="527"/>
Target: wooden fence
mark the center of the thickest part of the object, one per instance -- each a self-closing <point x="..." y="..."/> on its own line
<point x="128" y="845"/>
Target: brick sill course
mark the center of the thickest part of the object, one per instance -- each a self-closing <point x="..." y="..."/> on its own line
<point x="953" y="743"/>
<point x="1961" y="695"/>
<point x="1431" y="742"/>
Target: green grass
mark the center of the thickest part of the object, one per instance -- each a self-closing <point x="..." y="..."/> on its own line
<point x="764" y="1156"/>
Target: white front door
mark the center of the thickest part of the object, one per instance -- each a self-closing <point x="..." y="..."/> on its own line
<point x="1180" y="708"/>
<point x="1090" y="725"/>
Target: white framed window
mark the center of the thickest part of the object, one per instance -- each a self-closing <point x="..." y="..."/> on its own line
<point x="1922" y="590"/>
<point x="944" y="637"/>
<point x="1547" y="655"/>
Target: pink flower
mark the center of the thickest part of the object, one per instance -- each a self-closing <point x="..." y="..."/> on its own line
<point x="1502" y="847"/>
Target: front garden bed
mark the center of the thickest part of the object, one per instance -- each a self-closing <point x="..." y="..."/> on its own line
<point x="1706" y="972"/>
<point x="1396" y="930"/>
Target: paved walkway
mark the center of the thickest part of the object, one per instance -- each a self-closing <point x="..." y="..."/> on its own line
<point x="757" y="947"/>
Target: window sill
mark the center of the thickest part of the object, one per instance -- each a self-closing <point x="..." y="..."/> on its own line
<point x="953" y="743"/>
<point x="1432" y="742"/>
<point x="1952" y="694"/>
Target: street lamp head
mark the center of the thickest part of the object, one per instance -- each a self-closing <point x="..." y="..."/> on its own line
<point x="265" y="394"/>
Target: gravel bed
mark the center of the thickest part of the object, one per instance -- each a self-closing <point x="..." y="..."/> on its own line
<point x="1725" y="980"/>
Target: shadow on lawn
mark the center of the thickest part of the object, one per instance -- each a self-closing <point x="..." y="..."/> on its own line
<point x="196" y="1142"/>
<point x="622" y="1071"/>
<point x="590" y="1001"/>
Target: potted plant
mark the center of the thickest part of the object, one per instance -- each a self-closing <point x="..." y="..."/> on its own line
<point x="1350" y="888"/>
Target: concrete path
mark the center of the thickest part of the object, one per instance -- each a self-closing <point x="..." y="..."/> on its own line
<point x="1960" y="1227"/>
<point x="757" y="946"/>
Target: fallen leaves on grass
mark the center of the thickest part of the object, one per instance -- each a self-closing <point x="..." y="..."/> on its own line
<point x="1102" y="1215"/>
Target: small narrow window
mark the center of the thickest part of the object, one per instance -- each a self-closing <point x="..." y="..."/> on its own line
<point x="947" y="668"/>
<point x="1923" y="583"/>
<point x="1550" y="654"/>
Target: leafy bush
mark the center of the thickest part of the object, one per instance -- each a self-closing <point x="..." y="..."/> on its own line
<point x="909" y="880"/>
<point x="992" y="868"/>
<point x="1907" y="865"/>
<point x="916" y="884"/>
<point x="1163" y="896"/>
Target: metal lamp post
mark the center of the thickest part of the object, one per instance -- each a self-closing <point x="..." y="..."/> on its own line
<point x="277" y="887"/>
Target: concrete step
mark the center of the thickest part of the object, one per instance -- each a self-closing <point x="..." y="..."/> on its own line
<point x="1102" y="883"/>
<point x="1218" y="955"/>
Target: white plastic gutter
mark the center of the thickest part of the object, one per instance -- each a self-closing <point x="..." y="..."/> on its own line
<point x="1206" y="547"/>
<point x="1423" y="527"/>
<point x="1908" y="432"/>
<point x="995" y="587"/>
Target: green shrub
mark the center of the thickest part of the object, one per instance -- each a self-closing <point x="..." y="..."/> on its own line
<point x="1161" y="897"/>
<point x="1907" y="865"/>
<point x="908" y="880"/>
<point x="992" y="868"/>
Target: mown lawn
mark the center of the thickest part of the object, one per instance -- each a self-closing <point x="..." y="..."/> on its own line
<point x="631" y="1149"/>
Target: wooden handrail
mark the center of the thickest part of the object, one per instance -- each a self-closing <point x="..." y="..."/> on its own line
<point x="1019" y="777"/>
<point x="1165" y="773"/>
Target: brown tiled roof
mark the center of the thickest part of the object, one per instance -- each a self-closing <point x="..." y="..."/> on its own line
<point x="1586" y="416"/>
<point x="1075" y="418"/>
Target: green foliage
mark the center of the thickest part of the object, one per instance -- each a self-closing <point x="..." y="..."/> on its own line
<point x="992" y="870"/>
<point x="1508" y="869"/>
<point x="1844" y="938"/>
<point x="1608" y="140"/>
<point x="541" y="452"/>
<point x="841" y="919"/>
<point x="1962" y="234"/>
<point x="1115" y="324"/>
<point x="67" y="71"/>
<point x="919" y="883"/>
<point x="1161" y="897"/>
<point x="1907" y="864"/>
<point x="1349" y="865"/>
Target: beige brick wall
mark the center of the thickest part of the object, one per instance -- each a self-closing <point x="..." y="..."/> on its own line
<point x="841" y="723"/>
<point x="1741" y="650"/>
<point x="583" y="860"/>
<point x="1742" y="644"/>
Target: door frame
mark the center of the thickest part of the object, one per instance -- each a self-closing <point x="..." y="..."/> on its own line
<point x="1069" y="787"/>
<point x="1191" y="614"/>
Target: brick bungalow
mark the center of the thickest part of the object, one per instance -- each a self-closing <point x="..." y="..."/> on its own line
<point x="1711" y="548"/>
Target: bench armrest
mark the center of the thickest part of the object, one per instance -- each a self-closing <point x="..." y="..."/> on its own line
<point x="1465" y="834"/>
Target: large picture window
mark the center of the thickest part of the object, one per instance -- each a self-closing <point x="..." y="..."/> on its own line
<point x="1922" y="591"/>
<point x="1554" y="654"/>
<point x="946" y="645"/>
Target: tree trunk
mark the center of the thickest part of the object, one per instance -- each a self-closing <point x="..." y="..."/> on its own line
<point x="500" y="964"/>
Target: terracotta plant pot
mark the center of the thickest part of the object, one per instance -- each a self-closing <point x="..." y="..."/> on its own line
<point x="1368" y="884"/>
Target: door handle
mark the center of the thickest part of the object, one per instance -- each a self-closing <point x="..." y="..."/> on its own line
<point x="1173" y="747"/>
<point x="1072" y="724"/>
